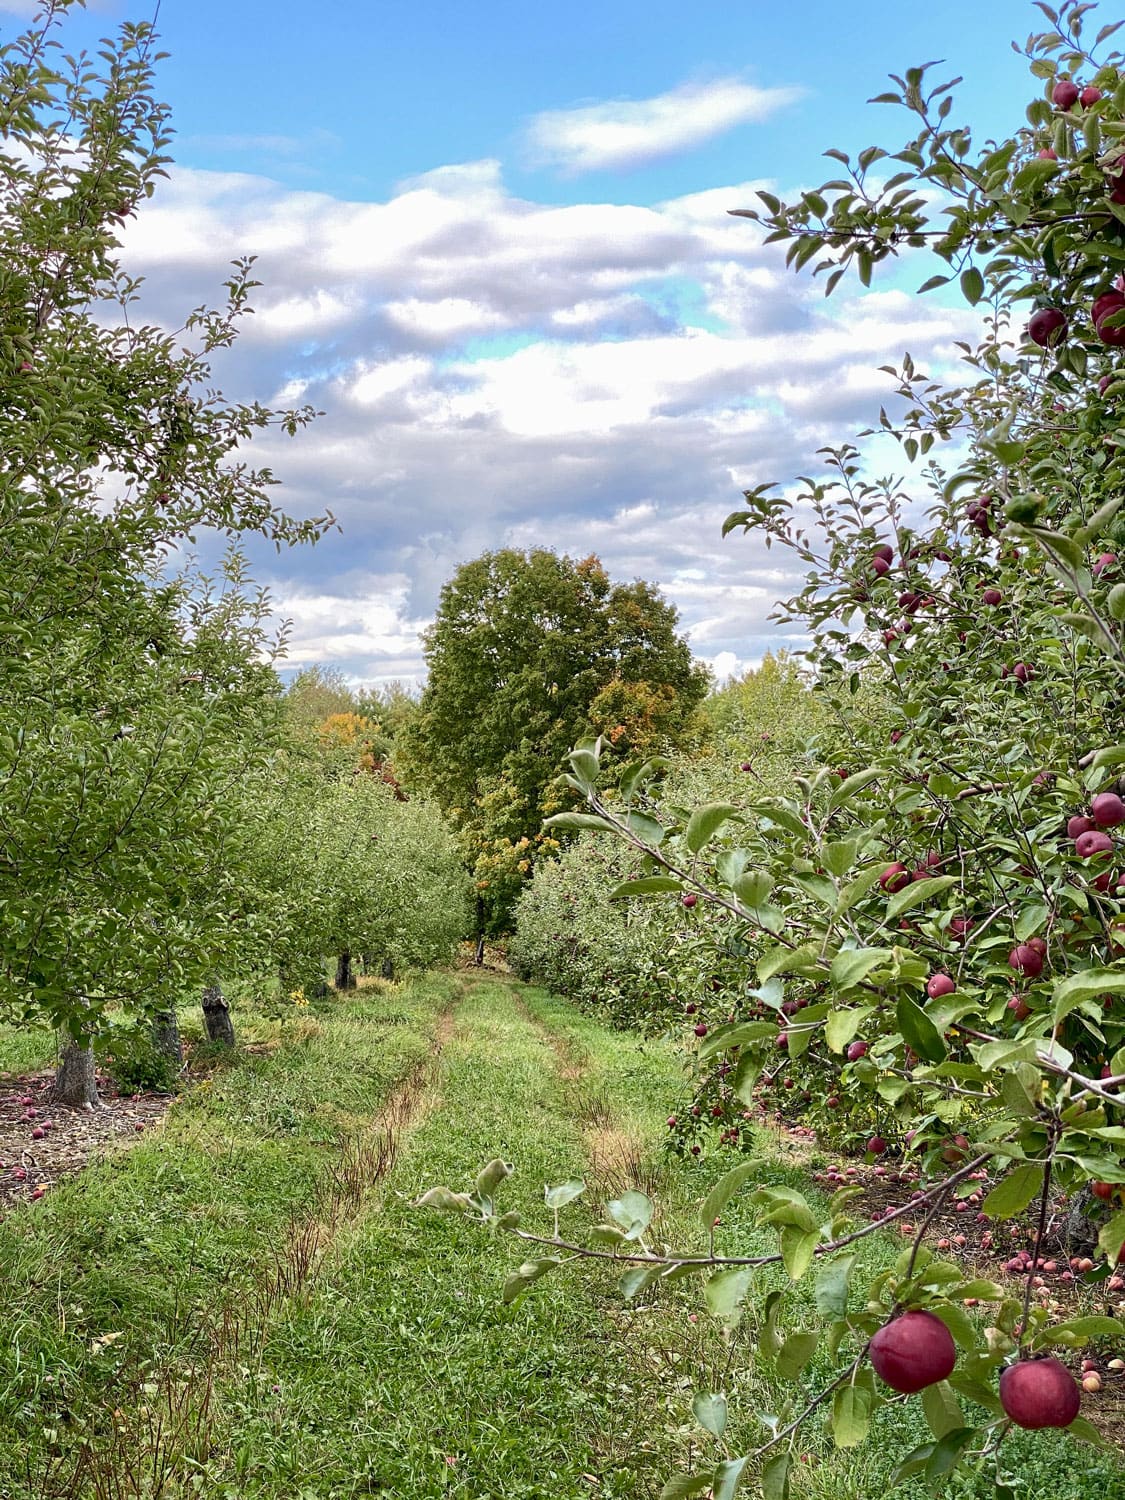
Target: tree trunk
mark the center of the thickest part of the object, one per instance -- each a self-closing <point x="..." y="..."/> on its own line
<point x="345" y="979"/>
<point x="216" y="1017"/>
<point x="388" y="970"/>
<point x="166" y="1039"/>
<point x="480" y="931"/>
<point x="75" y="1083"/>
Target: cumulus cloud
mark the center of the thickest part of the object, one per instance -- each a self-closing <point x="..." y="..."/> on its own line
<point x="621" y="134"/>
<point x="495" y="371"/>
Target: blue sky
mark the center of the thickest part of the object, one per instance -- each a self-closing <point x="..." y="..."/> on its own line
<point x="496" y="253"/>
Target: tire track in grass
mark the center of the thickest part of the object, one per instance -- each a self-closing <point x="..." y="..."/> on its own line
<point x="403" y="1374"/>
<point x="153" y="1434"/>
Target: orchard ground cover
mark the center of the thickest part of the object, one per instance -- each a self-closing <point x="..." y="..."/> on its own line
<point x="250" y="1303"/>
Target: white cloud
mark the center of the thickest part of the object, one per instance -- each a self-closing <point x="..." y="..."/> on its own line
<point x="624" y="133"/>
<point x="495" y="371"/>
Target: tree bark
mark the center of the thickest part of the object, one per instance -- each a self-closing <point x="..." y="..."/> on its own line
<point x="480" y="931"/>
<point x="166" y="1038"/>
<point x="216" y="1017"/>
<point x="345" y="979"/>
<point x="388" y="969"/>
<point x="75" y="1083"/>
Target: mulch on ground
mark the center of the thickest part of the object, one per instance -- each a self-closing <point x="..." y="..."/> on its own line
<point x="42" y="1142"/>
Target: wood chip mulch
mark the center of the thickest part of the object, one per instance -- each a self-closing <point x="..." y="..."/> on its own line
<point x="31" y="1165"/>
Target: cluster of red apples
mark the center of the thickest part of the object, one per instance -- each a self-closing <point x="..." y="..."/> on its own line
<point x="916" y="1350"/>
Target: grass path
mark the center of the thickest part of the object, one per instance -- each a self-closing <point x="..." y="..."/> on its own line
<point x="249" y="1307"/>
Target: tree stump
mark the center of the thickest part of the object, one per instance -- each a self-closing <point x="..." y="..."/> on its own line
<point x="345" y="979"/>
<point x="216" y="1017"/>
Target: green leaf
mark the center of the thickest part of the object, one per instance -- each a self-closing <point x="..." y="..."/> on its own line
<point x="685" y="1486"/>
<point x="566" y="1192"/>
<point x="917" y="892"/>
<point x="972" y="285"/>
<point x="725" y="1292"/>
<point x="649" y="885"/>
<point x="851" y="1416"/>
<point x="491" y="1176"/>
<point x="1076" y="1331"/>
<point x="576" y="822"/>
<point x="735" y="1034"/>
<point x="1069" y="993"/>
<point x="852" y="786"/>
<point x="775" y="1477"/>
<point x="710" y="1411"/>
<point x="705" y="822"/>
<point x="529" y="1273"/>
<point x="724" y="1190"/>
<point x="918" y="1031"/>
<point x="795" y="1354"/>
<point x="832" y="1284"/>
<point x="633" y="1211"/>
<point x="802" y="959"/>
<point x="647" y="829"/>
<point x="797" y="1249"/>
<point x="1112" y="1237"/>
<point x="445" y="1201"/>
<point x="727" y="1478"/>
<point x="941" y="1408"/>
<point x="745" y="1076"/>
<point x="1086" y="1432"/>
<point x="1013" y="1193"/>
<point x="852" y="965"/>
<point x="842" y="1025"/>
<point x="638" y="1279"/>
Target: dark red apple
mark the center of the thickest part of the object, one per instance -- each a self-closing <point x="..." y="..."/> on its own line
<point x="856" y="1050"/>
<point x="880" y="565"/>
<point x="1092" y="843"/>
<point x="913" y="1351"/>
<point x="992" y="596"/>
<point x="1065" y="94"/>
<point x="1107" y="810"/>
<point x="938" y="985"/>
<point x="1026" y="960"/>
<point x="885" y="552"/>
<point x="1019" y="1007"/>
<point x="1078" y="825"/>
<point x="894" y="877"/>
<point x="1047" y="327"/>
<point x="1039" y="1393"/>
<point x="689" y="900"/>
<point x="876" y="1145"/>
<point x="1089" y="95"/>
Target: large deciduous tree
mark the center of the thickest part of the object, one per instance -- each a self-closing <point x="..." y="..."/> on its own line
<point x="529" y="651"/>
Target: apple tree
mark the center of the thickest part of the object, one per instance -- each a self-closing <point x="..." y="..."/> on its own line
<point x="937" y="911"/>
<point x="133" y="699"/>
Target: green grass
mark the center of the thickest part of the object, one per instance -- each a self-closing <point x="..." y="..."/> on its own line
<point x="202" y="1280"/>
<point x="105" y="1283"/>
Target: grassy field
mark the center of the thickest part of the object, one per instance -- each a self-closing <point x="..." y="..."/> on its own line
<point x="247" y="1304"/>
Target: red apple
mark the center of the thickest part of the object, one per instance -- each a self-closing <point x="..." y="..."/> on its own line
<point x="992" y="597"/>
<point x="894" y="877"/>
<point x="1107" y="559"/>
<point x="1092" y="843"/>
<point x="1026" y="960"/>
<point x="1039" y="1393"/>
<point x="1047" y="327"/>
<point x="1089" y="95"/>
<point x="1065" y="94"/>
<point x="689" y="900"/>
<point x="1047" y="154"/>
<point x="876" y="1145"/>
<point x="913" y="1351"/>
<point x="1078" y="825"/>
<point x="1019" y="1007"/>
<point x="938" y="985"/>
<point x="856" y="1050"/>
<point x="1107" y="810"/>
